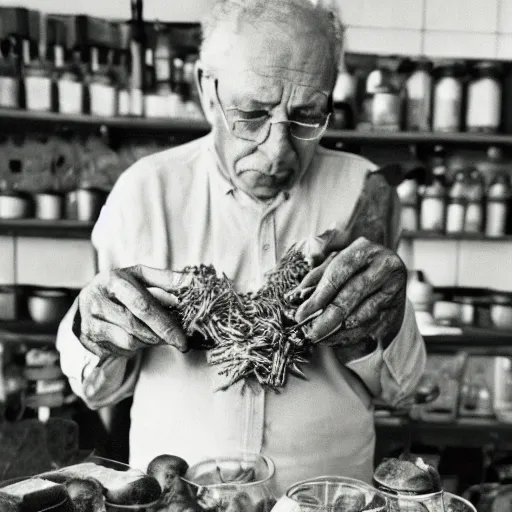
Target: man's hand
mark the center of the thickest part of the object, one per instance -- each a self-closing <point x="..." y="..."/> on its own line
<point x="118" y="315"/>
<point x="362" y="290"/>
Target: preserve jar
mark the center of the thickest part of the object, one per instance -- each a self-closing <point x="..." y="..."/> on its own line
<point x="483" y="112"/>
<point x="448" y="91"/>
<point x="419" y="93"/>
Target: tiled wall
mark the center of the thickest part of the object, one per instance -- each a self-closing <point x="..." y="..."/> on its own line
<point x="461" y="263"/>
<point x="436" y="28"/>
<point x="46" y="262"/>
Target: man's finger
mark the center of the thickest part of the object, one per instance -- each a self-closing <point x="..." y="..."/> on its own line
<point x="343" y="267"/>
<point x="117" y="314"/>
<point x="148" y="310"/>
<point x="370" y="309"/>
<point x="167" y="280"/>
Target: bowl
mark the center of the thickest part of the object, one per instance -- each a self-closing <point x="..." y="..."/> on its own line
<point x="15" y="205"/>
<point x="48" y="306"/>
<point x="331" y="493"/>
<point x="243" y="480"/>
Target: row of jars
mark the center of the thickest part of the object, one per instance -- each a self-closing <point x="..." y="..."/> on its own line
<point x="464" y="203"/>
<point x="445" y="96"/>
<point x="112" y="69"/>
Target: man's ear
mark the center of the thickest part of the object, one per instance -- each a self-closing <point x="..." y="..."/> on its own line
<point x="205" y="92"/>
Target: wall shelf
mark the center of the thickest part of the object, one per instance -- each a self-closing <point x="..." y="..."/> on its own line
<point x="10" y="118"/>
<point x="27" y="331"/>
<point x="46" y="228"/>
<point x="430" y="235"/>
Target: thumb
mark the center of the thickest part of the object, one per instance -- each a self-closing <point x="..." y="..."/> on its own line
<point x="317" y="248"/>
<point x="163" y="279"/>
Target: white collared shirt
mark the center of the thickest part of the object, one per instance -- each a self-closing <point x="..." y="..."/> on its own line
<point x="174" y="209"/>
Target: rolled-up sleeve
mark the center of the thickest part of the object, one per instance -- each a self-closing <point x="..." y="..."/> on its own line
<point x="393" y="374"/>
<point x="113" y="380"/>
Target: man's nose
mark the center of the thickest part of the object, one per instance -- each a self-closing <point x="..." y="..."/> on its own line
<point x="277" y="146"/>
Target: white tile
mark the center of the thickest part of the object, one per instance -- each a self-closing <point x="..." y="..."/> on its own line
<point x="51" y="262"/>
<point x="403" y="14"/>
<point x="438" y="260"/>
<point x="460" y="45"/>
<point x="485" y="264"/>
<point x="505" y="16"/>
<point x="467" y="15"/>
<point x="383" y="41"/>
<point x="504" y="47"/>
<point x="7" y="260"/>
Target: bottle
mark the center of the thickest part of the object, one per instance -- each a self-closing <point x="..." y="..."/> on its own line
<point x="37" y="81"/>
<point x="484" y="98"/>
<point x="493" y="164"/>
<point x="176" y="101"/>
<point x="123" y="71"/>
<point x="137" y="60"/>
<point x="408" y="194"/>
<point x="154" y="105"/>
<point x="343" y="101"/>
<point x="102" y="90"/>
<point x="373" y="81"/>
<point x="456" y="211"/>
<point x="9" y="82"/>
<point x="474" y="217"/>
<point x="419" y="92"/>
<point x="498" y="198"/>
<point x="163" y="59"/>
<point x="433" y="204"/>
<point x="448" y="91"/>
<point x="386" y="104"/>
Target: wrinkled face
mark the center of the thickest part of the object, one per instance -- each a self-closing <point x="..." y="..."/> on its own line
<point x="277" y="77"/>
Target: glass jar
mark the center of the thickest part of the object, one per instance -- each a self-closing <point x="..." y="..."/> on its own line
<point x="343" y="98"/>
<point x="102" y="90"/>
<point x="433" y="204"/>
<point x="229" y="479"/>
<point x="328" y="493"/>
<point x="70" y="93"/>
<point x="456" y="211"/>
<point x="408" y="194"/>
<point x="484" y="98"/>
<point x="448" y="91"/>
<point x="498" y="200"/>
<point x="386" y="108"/>
<point x="474" y="217"/>
<point x="37" y="81"/>
<point x="9" y="82"/>
<point x="419" y="92"/>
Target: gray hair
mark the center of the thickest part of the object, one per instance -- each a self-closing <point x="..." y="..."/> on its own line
<point x="237" y="13"/>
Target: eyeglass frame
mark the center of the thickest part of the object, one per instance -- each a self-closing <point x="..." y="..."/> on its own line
<point x="270" y="121"/>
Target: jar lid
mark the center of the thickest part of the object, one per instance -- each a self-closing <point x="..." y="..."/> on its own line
<point x="487" y="68"/>
<point x="423" y="65"/>
<point x="447" y="68"/>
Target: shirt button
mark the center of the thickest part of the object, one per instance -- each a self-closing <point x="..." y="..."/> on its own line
<point x="266" y="247"/>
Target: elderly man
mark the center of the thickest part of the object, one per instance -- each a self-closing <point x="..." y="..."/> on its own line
<point x="237" y="199"/>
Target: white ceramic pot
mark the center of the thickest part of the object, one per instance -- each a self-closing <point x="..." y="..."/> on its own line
<point x="14" y="206"/>
<point x="89" y="202"/>
<point x="47" y="306"/>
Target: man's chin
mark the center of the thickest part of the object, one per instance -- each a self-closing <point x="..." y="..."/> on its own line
<point x="266" y="189"/>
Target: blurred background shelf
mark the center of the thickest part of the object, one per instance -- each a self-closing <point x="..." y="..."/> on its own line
<point x="27" y="331"/>
<point x="13" y="118"/>
<point x="430" y="235"/>
<point x="46" y="228"/>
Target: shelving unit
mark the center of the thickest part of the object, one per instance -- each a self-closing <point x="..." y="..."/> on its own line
<point x="46" y="228"/>
<point x="430" y="235"/>
<point x="12" y="118"/>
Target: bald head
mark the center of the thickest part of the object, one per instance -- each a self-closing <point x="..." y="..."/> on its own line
<point x="261" y="35"/>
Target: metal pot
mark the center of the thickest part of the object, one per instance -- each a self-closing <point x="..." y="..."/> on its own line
<point x="48" y="305"/>
<point x="85" y="204"/>
<point x="48" y="205"/>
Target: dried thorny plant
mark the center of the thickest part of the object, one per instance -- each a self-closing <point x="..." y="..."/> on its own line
<point x="248" y="335"/>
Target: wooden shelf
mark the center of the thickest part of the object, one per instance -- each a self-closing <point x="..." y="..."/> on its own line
<point x="46" y="228"/>
<point x="11" y="118"/>
<point x="470" y="432"/>
<point x="430" y="235"/>
<point x="27" y="331"/>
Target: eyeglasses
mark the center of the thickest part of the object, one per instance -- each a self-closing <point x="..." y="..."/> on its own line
<point x="257" y="127"/>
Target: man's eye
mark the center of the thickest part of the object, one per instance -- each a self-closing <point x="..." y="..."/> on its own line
<point x="312" y="119"/>
<point x="253" y="115"/>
